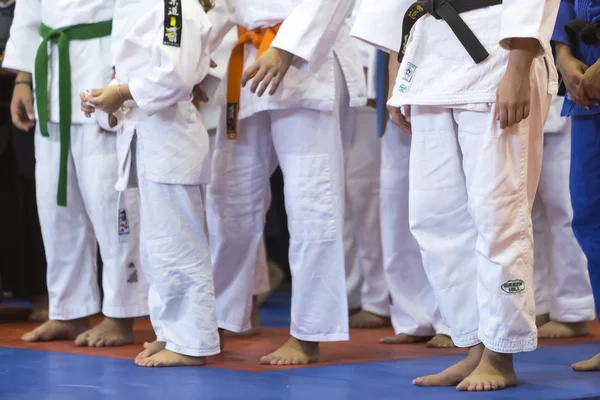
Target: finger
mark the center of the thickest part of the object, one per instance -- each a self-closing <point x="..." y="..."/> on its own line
<point x="503" y="116"/>
<point x="526" y="111"/>
<point x="96" y="92"/>
<point x="512" y="115"/>
<point x="200" y="94"/>
<point x="258" y="78"/>
<point x="29" y="109"/>
<point x="407" y="113"/>
<point x="276" y="83"/>
<point x="249" y="73"/>
<point x="519" y="114"/>
<point x="265" y="83"/>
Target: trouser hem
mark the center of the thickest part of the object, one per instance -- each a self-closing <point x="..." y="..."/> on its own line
<point x="510" y="346"/>
<point x="381" y="310"/>
<point x="67" y="314"/>
<point x="188" y="351"/>
<point x="331" y="337"/>
<point x="468" y="340"/>
<point x="139" y="310"/>
<point x="233" y="327"/>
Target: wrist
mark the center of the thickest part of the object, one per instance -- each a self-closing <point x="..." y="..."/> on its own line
<point x="520" y="60"/>
<point x="24" y="77"/>
<point x="124" y="92"/>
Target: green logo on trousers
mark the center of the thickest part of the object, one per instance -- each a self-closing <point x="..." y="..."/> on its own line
<point x="512" y="287"/>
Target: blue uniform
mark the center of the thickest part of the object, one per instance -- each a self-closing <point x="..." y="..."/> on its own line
<point x="585" y="144"/>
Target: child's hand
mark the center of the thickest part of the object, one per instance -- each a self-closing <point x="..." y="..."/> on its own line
<point x="108" y="99"/>
<point x="85" y="107"/>
<point x="272" y="65"/>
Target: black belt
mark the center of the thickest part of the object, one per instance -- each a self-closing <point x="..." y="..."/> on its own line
<point x="448" y="11"/>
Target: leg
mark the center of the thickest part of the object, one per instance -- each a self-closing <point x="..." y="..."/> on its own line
<point x="182" y="299"/>
<point x="541" y="260"/>
<point x="585" y="197"/>
<point x="354" y="276"/>
<point x="125" y="287"/>
<point x="362" y="169"/>
<point x="502" y="169"/>
<point x="236" y="215"/>
<point x="69" y="243"/>
<point x="572" y="298"/>
<point x="309" y="149"/>
<point x="441" y="223"/>
<point x="414" y="306"/>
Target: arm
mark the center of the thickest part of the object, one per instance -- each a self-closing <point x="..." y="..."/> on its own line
<point x="22" y="45"/>
<point x="379" y="23"/>
<point x="566" y="13"/>
<point x="531" y="19"/>
<point x="221" y="23"/>
<point x="311" y="30"/>
<point x="173" y="77"/>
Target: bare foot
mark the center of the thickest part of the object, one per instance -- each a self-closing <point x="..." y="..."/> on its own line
<point x="57" y="330"/>
<point x="276" y="277"/>
<point x="562" y="330"/>
<point x="542" y="320"/>
<point x="593" y="364"/>
<point x="403" y="338"/>
<point x="254" y="322"/>
<point x="456" y="373"/>
<point x="293" y="352"/>
<point x="150" y="349"/>
<point x="367" y="320"/>
<point x="39" y="309"/>
<point x="110" y="332"/>
<point x="167" y="358"/>
<point x="440" y="342"/>
<point x="495" y="371"/>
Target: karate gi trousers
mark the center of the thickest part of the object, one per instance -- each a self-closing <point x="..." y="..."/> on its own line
<point x="414" y="307"/>
<point x="70" y="233"/>
<point x="365" y="282"/>
<point x="562" y="283"/>
<point x="472" y="186"/>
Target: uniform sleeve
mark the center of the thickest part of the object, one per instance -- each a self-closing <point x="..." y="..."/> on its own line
<point x="22" y="44"/>
<point x="311" y="30"/>
<point x="528" y="19"/>
<point x="220" y="20"/>
<point x="379" y="23"/>
<point x="175" y="68"/>
<point x="566" y="13"/>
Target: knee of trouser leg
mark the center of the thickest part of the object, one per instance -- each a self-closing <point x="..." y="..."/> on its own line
<point x="313" y="196"/>
<point x="236" y="194"/>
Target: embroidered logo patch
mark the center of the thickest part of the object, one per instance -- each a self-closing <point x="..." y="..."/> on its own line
<point x="409" y="72"/>
<point x="132" y="276"/>
<point x="513" y="287"/>
<point x="173" y="23"/>
<point x="123" y="223"/>
<point x="403" y="88"/>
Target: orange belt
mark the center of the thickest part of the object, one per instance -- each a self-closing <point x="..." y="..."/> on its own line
<point x="261" y="39"/>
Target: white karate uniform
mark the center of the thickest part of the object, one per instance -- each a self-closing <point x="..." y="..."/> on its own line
<point x="365" y="282"/>
<point x="70" y="233"/>
<point x="472" y="184"/>
<point x="211" y="112"/>
<point x="299" y="128"/>
<point x="562" y="281"/>
<point x="163" y="147"/>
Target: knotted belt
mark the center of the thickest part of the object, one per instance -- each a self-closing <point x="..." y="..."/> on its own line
<point x="448" y="10"/>
<point x="261" y="39"/>
<point x="62" y="38"/>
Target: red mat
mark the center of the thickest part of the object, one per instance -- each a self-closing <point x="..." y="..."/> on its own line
<point x="244" y="353"/>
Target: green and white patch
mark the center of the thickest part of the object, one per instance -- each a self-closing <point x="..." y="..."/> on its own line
<point x="513" y="286"/>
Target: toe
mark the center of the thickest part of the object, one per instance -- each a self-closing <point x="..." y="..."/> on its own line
<point x="100" y="343"/>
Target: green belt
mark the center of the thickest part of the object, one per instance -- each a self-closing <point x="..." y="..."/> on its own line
<point x="62" y="37"/>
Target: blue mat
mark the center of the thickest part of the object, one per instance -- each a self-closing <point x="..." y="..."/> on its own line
<point x="40" y="375"/>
